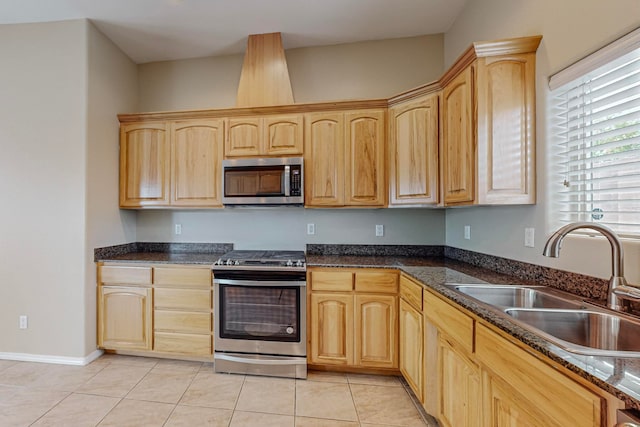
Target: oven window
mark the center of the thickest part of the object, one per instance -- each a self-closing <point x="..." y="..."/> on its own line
<point x="260" y="313"/>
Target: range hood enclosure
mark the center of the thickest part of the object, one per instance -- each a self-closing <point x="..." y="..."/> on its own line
<point x="264" y="80"/>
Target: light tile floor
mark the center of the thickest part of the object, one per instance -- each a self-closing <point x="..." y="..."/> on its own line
<point x="138" y="391"/>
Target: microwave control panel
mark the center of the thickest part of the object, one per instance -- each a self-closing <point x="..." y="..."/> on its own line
<point x="296" y="180"/>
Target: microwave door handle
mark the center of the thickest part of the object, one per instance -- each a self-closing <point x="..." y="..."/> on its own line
<point x="287" y="180"/>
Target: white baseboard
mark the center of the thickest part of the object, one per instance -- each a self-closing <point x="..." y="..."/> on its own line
<point x="60" y="360"/>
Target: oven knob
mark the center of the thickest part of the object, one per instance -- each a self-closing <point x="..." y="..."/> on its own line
<point x="299" y="263"/>
<point x="229" y="262"/>
<point x="289" y="330"/>
<point x="289" y="263"/>
<point x="237" y="262"/>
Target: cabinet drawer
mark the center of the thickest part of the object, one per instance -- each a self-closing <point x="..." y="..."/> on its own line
<point x="182" y="321"/>
<point x="193" y="344"/>
<point x="564" y="401"/>
<point x="331" y="280"/>
<point x="187" y="299"/>
<point x="450" y="320"/>
<point x="411" y="292"/>
<point x="377" y="281"/>
<point x="125" y="275"/>
<point x="173" y="276"/>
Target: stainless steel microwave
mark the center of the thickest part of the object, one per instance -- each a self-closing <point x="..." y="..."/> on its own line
<point x="263" y="181"/>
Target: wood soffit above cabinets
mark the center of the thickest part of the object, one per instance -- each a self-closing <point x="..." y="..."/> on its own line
<point x="476" y="50"/>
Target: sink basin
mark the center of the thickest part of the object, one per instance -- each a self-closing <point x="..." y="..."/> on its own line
<point x="583" y="331"/>
<point x="516" y="296"/>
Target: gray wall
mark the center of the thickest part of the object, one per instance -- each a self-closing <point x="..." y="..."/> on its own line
<point x="571" y="29"/>
<point x="350" y="71"/>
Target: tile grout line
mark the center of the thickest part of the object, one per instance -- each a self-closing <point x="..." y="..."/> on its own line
<point x="353" y="400"/>
<point x="182" y="395"/>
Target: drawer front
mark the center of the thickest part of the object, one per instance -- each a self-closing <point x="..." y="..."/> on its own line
<point x="182" y="321"/>
<point x="186" y="299"/>
<point x="377" y="282"/>
<point x="564" y="401"/>
<point x="191" y="344"/>
<point x="125" y="275"/>
<point x="332" y="280"/>
<point x="174" y="276"/>
<point x="411" y="292"/>
<point x="450" y="320"/>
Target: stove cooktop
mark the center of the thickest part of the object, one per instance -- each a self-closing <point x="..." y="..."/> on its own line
<point x="247" y="258"/>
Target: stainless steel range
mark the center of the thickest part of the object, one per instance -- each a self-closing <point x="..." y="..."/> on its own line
<point x="260" y="313"/>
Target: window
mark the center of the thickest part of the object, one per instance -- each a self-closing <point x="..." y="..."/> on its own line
<point x="596" y="118"/>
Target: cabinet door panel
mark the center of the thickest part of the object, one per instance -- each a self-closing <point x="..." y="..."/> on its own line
<point x="196" y="149"/>
<point x="324" y="159"/>
<point x="364" y="160"/>
<point x="506" y="129"/>
<point x="413" y="165"/>
<point x="459" y="155"/>
<point x="376" y="331"/>
<point x="243" y="137"/>
<point x="124" y="318"/>
<point x="332" y="329"/>
<point x="411" y="348"/>
<point x="283" y="135"/>
<point x="459" y="388"/>
<point x="144" y="165"/>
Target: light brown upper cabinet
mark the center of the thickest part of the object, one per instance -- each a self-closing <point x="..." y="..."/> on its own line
<point x="196" y="154"/>
<point x="488" y="126"/>
<point x="279" y="135"/>
<point x="344" y="159"/>
<point x="144" y="164"/>
<point x="413" y="151"/>
<point x="171" y="163"/>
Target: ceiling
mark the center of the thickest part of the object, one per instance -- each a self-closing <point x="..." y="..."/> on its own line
<point x="160" y="30"/>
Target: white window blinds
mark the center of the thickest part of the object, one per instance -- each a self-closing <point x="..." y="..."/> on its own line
<point x="597" y="127"/>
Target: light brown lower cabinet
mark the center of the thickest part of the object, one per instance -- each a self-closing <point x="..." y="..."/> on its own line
<point x="124" y="317"/>
<point x="412" y="361"/>
<point x="156" y="308"/>
<point x="353" y="318"/>
<point x="486" y="378"/>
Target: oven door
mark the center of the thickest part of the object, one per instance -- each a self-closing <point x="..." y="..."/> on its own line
<point x="260" y="316"/>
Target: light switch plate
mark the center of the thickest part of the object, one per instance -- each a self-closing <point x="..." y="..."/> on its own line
<point x="311" y="229"/>
<point x="529" y="235"/>
<point x="467" y="232"/>
<point x="379" y="230"/>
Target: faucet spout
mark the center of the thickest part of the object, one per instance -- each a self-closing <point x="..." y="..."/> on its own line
<point x="554" y="243"/>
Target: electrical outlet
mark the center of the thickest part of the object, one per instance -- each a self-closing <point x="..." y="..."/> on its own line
<point x="529" y="234"/>
<point x="178" y="229"/>
<point x="24" y="322"/>
<point x="311" y="229"/>
<point x="379" y="230"/>
<point x="467" y="232"/>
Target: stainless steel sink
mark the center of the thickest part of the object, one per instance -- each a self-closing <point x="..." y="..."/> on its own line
<point x="587" y="332"/>
<point x="517" y="296"/>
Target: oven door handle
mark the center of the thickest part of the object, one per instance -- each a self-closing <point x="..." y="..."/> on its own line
<point x="260" y="283"/>
<point x="252" y="361"/>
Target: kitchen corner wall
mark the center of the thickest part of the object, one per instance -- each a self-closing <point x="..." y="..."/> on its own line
<point x="374" y="69"/>
<point x="571" y="29"/>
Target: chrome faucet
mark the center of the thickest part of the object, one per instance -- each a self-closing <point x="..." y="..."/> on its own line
<point x="619" y="292"/>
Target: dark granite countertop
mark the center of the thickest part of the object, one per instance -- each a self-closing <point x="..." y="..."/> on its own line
<point x="165" y="257"/>
<point x="163" y="253"/>
<point x="434" y="272"/>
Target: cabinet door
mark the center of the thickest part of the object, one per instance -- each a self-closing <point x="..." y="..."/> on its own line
<point x="413" y="152"/>
<point x="411" y="348"/>
<point x="459" y="150"/>
<point x="243" y="137"/>
<point x="364" y="158"/>
<point x="331" y="329"/>
<point x="376" y="331"/>
<point x="460" y="398"/>
<point x="196" y="152"/>
<point x="324" y="159"/>
<point x="505" y="407"/>
<point x="283" y="135"/>
<point x="124" y="318"/>
<point x="144" y="164"/>
<point x="506" y="129"/>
